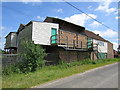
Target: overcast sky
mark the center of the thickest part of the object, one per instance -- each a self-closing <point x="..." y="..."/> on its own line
<point x="15" y="13"/>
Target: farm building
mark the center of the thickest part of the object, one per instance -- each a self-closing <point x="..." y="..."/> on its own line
<point x="11" y="43"/>
<point x="62" y="40"/>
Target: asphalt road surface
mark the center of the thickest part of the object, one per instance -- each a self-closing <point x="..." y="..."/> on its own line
<point x="103" y="77"/>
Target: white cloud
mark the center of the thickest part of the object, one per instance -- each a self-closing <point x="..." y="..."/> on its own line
<point x="39" y="18"/>
<point x="34" y="2"/>
<point x="107" y="33"/>
<point x="59" y="10"/>
<point x="90" y="8"/>
<point x="117" y="17"/>
<point x="31" y="0"/>
<point x="110" y="10"/>
<point x="2" y="28"/>
<point x="95" y="24"/>
<point x="105" y="7"/>
<point x="56" y="16"/>
<point x="115" y="45"/>
<point x="79" y="19"/>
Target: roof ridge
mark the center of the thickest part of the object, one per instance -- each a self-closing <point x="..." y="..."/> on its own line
<point x="64" y="21"/>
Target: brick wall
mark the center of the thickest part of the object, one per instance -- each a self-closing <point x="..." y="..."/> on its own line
<point x="72" y="39"/>
<point x="68" y="56"/>
<point x="83" y="55"/>
<point x="83" y="40"/>
<point x="110" y="53"/>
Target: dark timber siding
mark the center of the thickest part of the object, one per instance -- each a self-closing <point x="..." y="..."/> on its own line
<point x="56" y="54"/>
<point x="69" y="56"/>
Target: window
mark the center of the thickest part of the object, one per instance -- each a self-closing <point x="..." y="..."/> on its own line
<point x="54" y="35"/>
<point x="101" y="43"/>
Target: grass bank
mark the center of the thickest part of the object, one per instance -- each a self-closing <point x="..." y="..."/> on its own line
<point x="49" y="73"/>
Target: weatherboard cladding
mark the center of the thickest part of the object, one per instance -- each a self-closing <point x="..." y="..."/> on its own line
<point x="24" y="35"/>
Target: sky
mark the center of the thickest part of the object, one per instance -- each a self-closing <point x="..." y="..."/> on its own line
<point x="22" y="12"/>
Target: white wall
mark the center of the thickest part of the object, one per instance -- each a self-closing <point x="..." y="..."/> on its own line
<point x="102" y="46"/>
<point x="41" y="32"/>
<point x="13" y="40"/>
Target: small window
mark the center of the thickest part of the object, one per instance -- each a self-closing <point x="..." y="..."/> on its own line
<point x="101" y="43"/>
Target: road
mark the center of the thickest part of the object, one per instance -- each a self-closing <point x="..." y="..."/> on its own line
<point x="103" y="77"/>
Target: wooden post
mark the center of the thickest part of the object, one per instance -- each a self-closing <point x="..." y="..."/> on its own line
<point x="67" y="40"/>
<point x="81" y="44"/>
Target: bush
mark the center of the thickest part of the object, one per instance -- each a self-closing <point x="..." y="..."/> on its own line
<point x="33" y="57"/>
<point x="8" y="70"/>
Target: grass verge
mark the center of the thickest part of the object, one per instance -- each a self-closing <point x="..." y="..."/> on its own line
<point x="50" y="73"/>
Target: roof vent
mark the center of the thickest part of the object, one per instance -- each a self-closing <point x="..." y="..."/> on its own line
<point x="97" y="34"/>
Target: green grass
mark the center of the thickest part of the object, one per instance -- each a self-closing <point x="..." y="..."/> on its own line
<point x="50" y="73"/>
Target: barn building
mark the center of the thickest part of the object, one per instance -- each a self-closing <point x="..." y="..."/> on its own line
<point x="61" y="39"/>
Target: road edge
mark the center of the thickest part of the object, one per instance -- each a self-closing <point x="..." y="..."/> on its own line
<point x="78" y="74"/>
